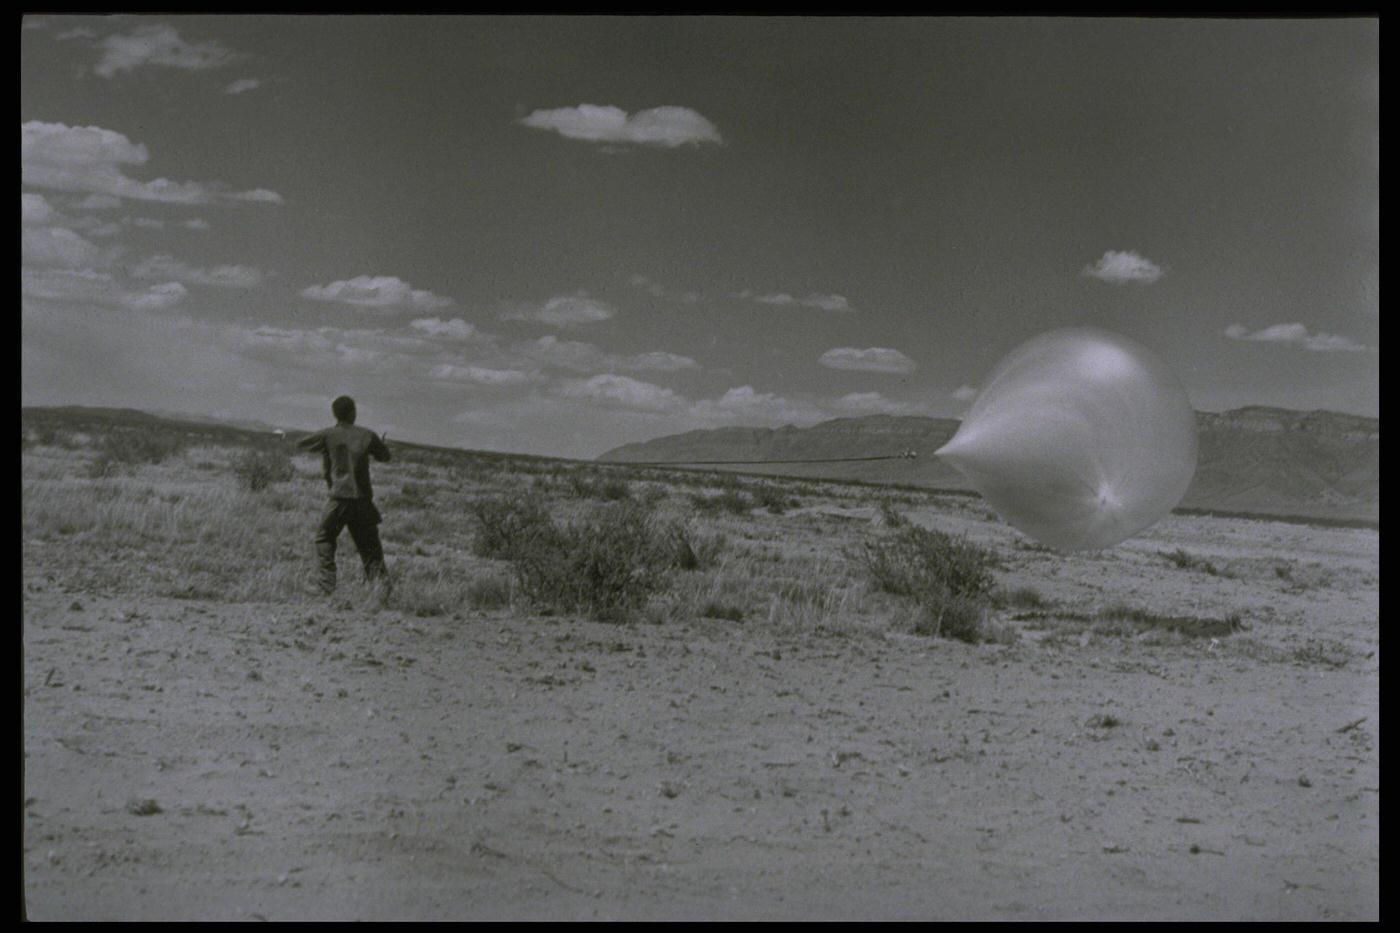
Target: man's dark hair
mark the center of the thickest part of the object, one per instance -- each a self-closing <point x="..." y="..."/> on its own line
<point x="344" y="409"/>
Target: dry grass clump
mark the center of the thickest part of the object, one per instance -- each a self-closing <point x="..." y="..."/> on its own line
<point x="257" y="469"/>
<point x="605" y="565"/>
<point x="950" y="578"/>
<point x="1128" y="621"/>
<point x="730" y="501"/>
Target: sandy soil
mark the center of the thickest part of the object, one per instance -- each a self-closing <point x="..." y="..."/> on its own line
<point x="186" y="759"/>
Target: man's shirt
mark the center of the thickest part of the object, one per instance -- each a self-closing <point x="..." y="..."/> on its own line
<point x="345" y="451"/>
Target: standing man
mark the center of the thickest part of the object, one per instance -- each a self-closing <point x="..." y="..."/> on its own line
<point x="345" y="451"/>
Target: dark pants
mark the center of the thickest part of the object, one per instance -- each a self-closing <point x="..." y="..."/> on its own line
<point x="363" y="519"/>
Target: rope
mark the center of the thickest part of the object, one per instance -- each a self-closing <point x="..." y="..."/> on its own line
<point x="907" y="455"/>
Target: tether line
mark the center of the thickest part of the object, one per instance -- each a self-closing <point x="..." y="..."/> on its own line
<point x="907" y="455"/>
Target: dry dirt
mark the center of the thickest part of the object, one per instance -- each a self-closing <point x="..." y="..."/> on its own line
<point x="188" y="759"/>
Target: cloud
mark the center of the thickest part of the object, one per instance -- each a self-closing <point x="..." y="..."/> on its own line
<point x="666" y="127"/>
<point x="155" y="298"/>
<point x="817" y="300"/>
<point x="483" y="375"/>
<point x="93" y="287"/>
<point x="623" y="392"/>
<point x="1122" y="267"/>
<point x="873" y="403"/>
<point x="563" y="311"/>
<point x="660" y="361"/>
<point x="171" y="269"/>
<point x="57" y="246"/>
<point x="242" y="86"/>
<point x="34" y="209"/>
<point x="158" y="44"/>
<point x="1298" y="336"/>
<point x="378" y="291"/>
<point x="94" y="160"/>
<point x="98" y="202"/>
<point x="964" y="393"/>
<point x="577" y="356"/>
<point x="195" y="223"/>
<point x="873" y="359"/>
<point x="456" y="328"/>
<point x="657" y="290"/>
<point x="742" y="403"/>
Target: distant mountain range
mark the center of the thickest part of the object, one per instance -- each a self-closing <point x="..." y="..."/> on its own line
<point x="1316" y="465"/>
<point x="1257" y="460"/>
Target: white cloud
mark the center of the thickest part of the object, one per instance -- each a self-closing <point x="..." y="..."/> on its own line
<point x="259" y="195"/>
<point x="744" y="404"/>
<point x="456" y="328"/>
<point x="817" y="300"/>
<point x="483" y="375"/>
<point x="93" y="287"/>
<point x="873" y="403"/>
<point x="34" y="209"/>
<point x="57" y="246"/>
<point x="98" y="202"/>
<point x="873" y="359"/>
<point x="563" y="311"/>
<point x="657" y="290"/>
<point x="155" y="298"/>
<point x="667" y="127"/>
<point x="93" y="159"/>
<point x="577" y="356"/>
<point x="195" y="223"/>
<point x="623" y="392"/>
<point x="660" y="361"/>
<point x="1121" y="267"/>
<point x="171" y="269"/>
<point x="1298" y="336"/>
<point x="242" y="86"/>
<point x="158" y="44"/>
<point x="377" y="291"/>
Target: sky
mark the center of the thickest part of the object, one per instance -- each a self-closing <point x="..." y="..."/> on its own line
<point x="554" y="235"/>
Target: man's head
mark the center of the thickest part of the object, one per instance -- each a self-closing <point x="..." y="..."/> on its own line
<point x="344" y="409"/>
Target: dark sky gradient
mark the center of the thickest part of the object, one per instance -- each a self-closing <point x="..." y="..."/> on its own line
<point x="950" y="178"/>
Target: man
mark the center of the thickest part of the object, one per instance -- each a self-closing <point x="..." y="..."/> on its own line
<point x="345" y="451"/>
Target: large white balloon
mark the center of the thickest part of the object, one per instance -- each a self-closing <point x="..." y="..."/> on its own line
<point x="1080" y="438"/>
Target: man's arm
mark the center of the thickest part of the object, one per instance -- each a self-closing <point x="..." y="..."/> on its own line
<point x="315" y="443"/>
<point x="379" y="450"/>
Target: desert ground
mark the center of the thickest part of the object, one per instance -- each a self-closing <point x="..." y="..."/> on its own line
<point x="1186" y="726"/>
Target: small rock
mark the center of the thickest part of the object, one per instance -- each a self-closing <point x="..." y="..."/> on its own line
<point x="143" y="807"/>
<point x="1303" y="781"/>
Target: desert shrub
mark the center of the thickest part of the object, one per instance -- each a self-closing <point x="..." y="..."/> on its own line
<point x="917" y="561"/>
<point x="891" y="517"/>
<point x="605" y="565"/>
<point x="775" y="500"/>
<point x="583" y="486"/>
<point x="1023" y="597"/>
<point x="942" y="614"/>
<point x="950" y="578"/>
<point x="731" y="500"/>
<point x="689" y="549"/>
<point x="257" y="469"/>
<point x="133" y="447"/>
<point x="718" y="610"/>
<point x="1184" y="560"/>
<point x="489" y="593"/>
<point x="510" y="524"/>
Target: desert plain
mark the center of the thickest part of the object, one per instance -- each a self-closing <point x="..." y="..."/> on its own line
<point x="1185" y="726"/>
